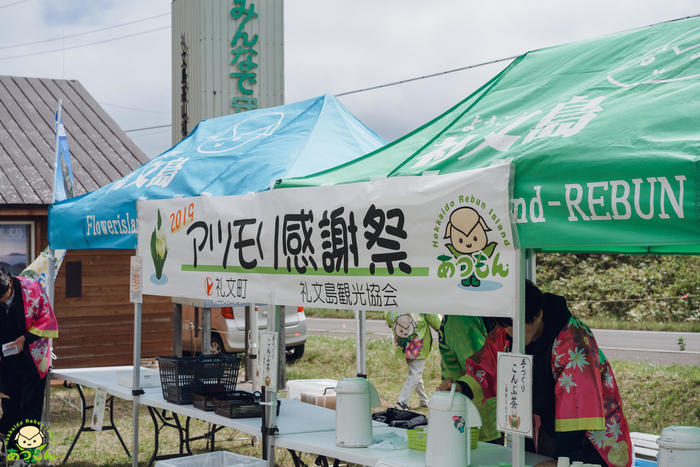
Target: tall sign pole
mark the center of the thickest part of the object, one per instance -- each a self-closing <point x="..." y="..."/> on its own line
<point x="227" y="57"/>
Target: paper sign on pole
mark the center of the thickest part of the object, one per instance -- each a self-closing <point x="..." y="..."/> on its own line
<point x="514" y="388"/>
<point x="398" y="243"/>
<point x="98" y="410"/>
<point x="135" y="280"/>
<point x="267" y="360"/>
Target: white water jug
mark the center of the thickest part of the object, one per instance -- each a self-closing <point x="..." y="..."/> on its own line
<point x="355" y="398"/>
<point x="679" y="446"/>
<point x="450" y="418"/>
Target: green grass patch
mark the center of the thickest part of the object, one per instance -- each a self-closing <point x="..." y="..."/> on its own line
<point x="653" y="397"/>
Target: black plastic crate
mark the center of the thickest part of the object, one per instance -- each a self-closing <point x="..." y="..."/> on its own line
<point x="181" y="377"/>
<point x="207" y="401"/>
<point x="240" y="409"/>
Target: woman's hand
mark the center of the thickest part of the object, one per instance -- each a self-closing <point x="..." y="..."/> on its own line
<point x="19" y="342"/>
<point x="446" y="385"/>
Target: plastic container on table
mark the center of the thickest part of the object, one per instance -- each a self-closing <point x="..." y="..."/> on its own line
<point x="314" y="386"/>
<point x="150" y="378"/>
<point x="214" y="459"/>
<point x="679" y="446"/>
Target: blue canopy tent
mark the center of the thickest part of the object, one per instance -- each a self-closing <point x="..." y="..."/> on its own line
<point x="234" y="154"/>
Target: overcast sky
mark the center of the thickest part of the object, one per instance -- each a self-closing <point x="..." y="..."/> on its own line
<point x="330" y="47"/>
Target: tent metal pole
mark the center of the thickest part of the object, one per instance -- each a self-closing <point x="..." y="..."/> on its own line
<point x="50" y="280"/>
<point x="519" y="346"/>
<point x="280" y="320"/>
<point x="271" y="395"/>
<point x="206" y="331"/>
<point x="361" y="343"/>
<point x="254" y="344"/>
<point x="136" y="385"/>
<point x="177" y="329"/>
<point x="531" y="265"/>
<point x="247" y="345"/>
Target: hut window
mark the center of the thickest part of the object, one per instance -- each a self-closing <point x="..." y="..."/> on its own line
<point x="74" y="274"/>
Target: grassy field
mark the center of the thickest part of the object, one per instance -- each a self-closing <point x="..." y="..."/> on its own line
<point x="653" y="397"/>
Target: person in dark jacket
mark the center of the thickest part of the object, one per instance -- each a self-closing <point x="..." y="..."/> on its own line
<point x="26" y="324"/>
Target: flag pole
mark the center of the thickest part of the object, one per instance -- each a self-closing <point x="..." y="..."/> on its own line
<point x="51" y="279"/>
<point x="51" y="273"/>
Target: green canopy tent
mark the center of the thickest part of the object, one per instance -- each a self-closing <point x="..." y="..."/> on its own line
<point x="603" y="135"/>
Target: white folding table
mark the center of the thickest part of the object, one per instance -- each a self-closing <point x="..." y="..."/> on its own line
<point x="295" y="417"/>
<point x="302" y="427"/>
<point x="323" y="443"/>
<point x="104" y="379"/>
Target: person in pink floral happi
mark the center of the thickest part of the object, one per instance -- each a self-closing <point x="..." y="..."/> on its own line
<point x="413" y="338"/>
<point x="26" y="322"/>
<point x="577" y="411"/>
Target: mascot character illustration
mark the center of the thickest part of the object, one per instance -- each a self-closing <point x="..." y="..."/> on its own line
<point x="467" y="233"/>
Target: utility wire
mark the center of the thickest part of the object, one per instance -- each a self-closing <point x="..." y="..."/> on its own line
<point x="15" y="3"/>
<point x="83" y="33"/>
<point x="151" y="133"/>
<point x="133" y="108"/>
<point x="454" y="70"/>
<point x="148" y="128"/>
<point x="394" y="83"/>
<point x="490" y="62"/>
<point x="85" y="45"/>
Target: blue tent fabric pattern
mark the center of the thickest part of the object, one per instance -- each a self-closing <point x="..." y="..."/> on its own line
<point x="229" y="155"/>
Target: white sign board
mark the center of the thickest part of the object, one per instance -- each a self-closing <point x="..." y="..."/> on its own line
<point x="267" y="360"/>
<point x="399" y="243"/>
<point x="135" y="280"/>
<point x="514" y="388"/>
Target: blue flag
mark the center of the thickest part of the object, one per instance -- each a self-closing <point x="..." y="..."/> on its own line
<point x="63" y="173"/>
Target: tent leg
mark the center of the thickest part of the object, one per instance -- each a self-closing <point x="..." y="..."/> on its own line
<point x="206" y="331"/>
<point x="254" y="345"/>
<point x="177" y="329"/>
<point x="270" y="427"/>
<point x="361" y="343"/>
<point x="136" y="384"/>
<point x="247" y="342"/>
<point x="519" y="347"/>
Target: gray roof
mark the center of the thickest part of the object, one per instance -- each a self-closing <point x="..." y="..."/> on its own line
<point x="100" y="151"/>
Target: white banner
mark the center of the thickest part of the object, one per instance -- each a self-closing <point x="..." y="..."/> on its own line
<point x="431" y="244"/>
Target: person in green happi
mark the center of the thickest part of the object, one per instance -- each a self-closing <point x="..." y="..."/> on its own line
<point x="466" y="230"/>
<point x="459" y="338"/>
<point x="413" y="339"/>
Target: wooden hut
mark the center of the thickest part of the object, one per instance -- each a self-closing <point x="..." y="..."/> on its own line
<point x="92" y="304"/>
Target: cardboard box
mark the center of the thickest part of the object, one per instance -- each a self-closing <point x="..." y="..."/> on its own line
<point x="327" y="400"/>
<point x="317" y="386"/>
